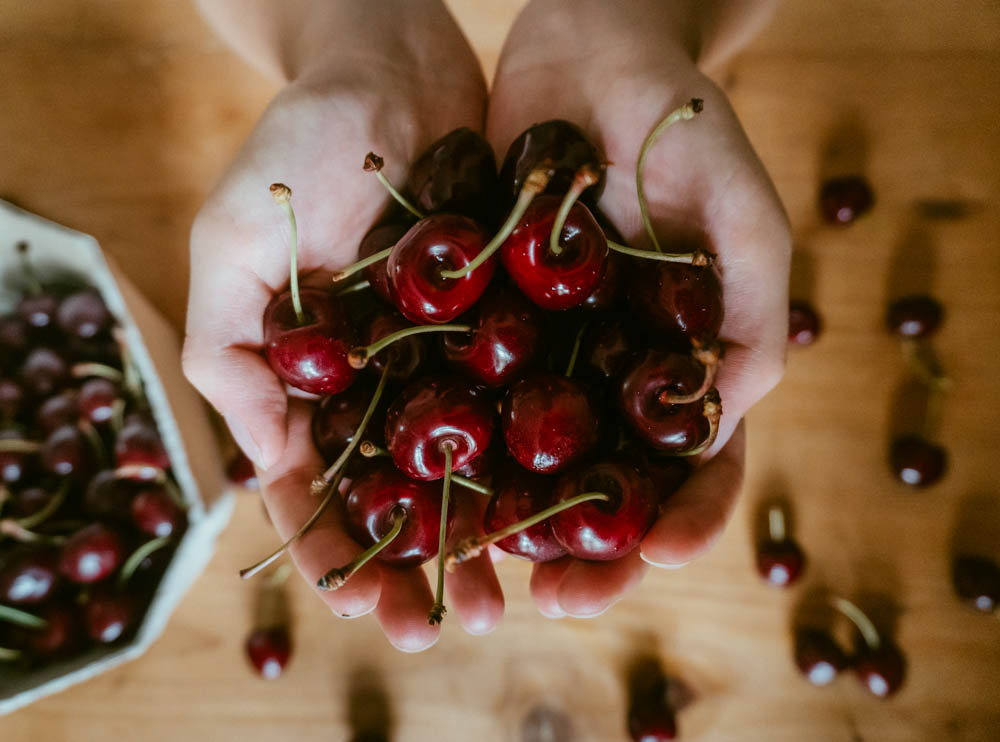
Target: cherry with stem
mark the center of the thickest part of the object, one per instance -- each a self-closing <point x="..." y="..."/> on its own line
<point x="369" y="450"/>
<point x="359" y="357"/>
<point x="282" y="196"/>
<point x="374" y="164"/>
<point x="779" y="558"/>
<point x="338" y="577"/>
<point x="879" y="665"/>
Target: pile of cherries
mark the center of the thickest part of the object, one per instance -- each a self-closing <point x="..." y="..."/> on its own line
<point x="503" y="334"/>
<point x="88" y="512"/>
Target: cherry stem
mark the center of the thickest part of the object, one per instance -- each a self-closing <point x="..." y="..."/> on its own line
<point x="584" y="178"/>
<point x="9" y="655"/>
<point x="358" y="357"/>
<point x="712" y="410"/>
<point x="18" y="445"/>
<point x="374" y="163"/>
<point x="95" y="441"/>
<point x="132" y="381"/>
<point x="698" y="257"/>
<point x="924" y="364"/>
<point x="472" y="547"/>
<point x="354" y="287"/>
<point x="865" y="626"/>
<point x="54" y="503"/>
<point x="536" y="182"/>
<point x="438" y="610"/>
<point x="21" y="618"/>
<point x="369" y="450"/>
<point x="10" y="527"/>
<point x="137" y="556"/>
<point x="576" y="349"/>
<point x="708" y="357"/>
<point x="117" y="416"/>
<point x="338" y="577"/>
<point x="361" y="264"/>
<point x="282" y="196"/>
<point x="85" y="370"/>
<point x="28" y="269"/>
<point x="776" y="524"/>
<point x="687" y="111"/>
<point x="5" y="497"/>
<point x="142" y="473"/>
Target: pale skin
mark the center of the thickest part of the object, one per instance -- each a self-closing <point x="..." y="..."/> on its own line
<point x="394" y="75"/>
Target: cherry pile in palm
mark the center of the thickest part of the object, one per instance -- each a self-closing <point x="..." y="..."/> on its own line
<point x="499" y="330"/>
<point x="88" y="511"/>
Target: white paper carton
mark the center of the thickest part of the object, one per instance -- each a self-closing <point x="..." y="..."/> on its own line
<point x="180" y="415"/>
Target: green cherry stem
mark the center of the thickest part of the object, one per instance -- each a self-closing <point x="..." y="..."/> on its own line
<point x="282" y="196"/>
<point x="585" y="177"/>
<point x="708" y="357"/>
<point x="358" y="357"/>
<point x="86" y="370"/>
<point x="374" y="164"/>
<point x="353" y="288"/>
<point x="338" y="577"/>
<point x="776" y="524"/>
<point x="536" y="182"/>
<point x="438" y="610"/>
<point x="136" y="557"/>
<point x="34" y="283"/>
<point x="54" y="503"/>
<point x="687" y="111"/>
<point x="21" y="618"/>
<point x="864" y="624"/>
<point x="698" y="257"/>
<point x="9" y="655"/>
<point x="712" y="410"/>
<point x="361" y="264"/>
<point x="18" y="445"/>
<point x="576" y="349"/>
<point x="369" y="450"/>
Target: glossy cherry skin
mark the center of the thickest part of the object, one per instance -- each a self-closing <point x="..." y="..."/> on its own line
<point x="61" y="636"/>
<point x="372" y="502"/>
<point x="555" y="281"/>
<point x="683" y="303"/>
<point x="30" y="577"/>
<point x="844" y="199"/>
<point x="914" y="317"/>
<point x="14" y="465"/>
<point x="312" y="357"/>
<point x="564" y="146"/>
<point x="155" y="513"/>
<point x="11" y="397"/>
<point x="505" y="340"/>
<point x="429" y="414"/>
<point x="83" y="314"/>
<point x="977" y="582"/>
<point x="549" y="422"/>
<point x="108" y="615"/>
<point x="58" y="411"/>
<point x="336" y="419"/>
<point x="780" y="563"/>
<point x="457" y="173"/>
<point x="804" y="325"/>
<point x="818" y="657"/>
<point x="269" y="650"/>
<point x="91" y="554"/>
<point x="67" y="452"/>
<point x="108" y="495"/>
<point x="881" y="671"/>
<point x="519" y="495"/>
<point x="438" y="242"/>
<point x="485" y="463"/>
<point x="377" y="240"/>
<point x="98" y="398"/>
<point x="38" y="310"/>
<point x="651" y="722"/>
<point x="409" y="355"/>
<point x="44" y="371"/>
<point x="241" y="472"/>
<point x="611" y="287"/>
<point x="602" y="531"/>
<point x="917" y="462"/>
<point x="139" y="444"/>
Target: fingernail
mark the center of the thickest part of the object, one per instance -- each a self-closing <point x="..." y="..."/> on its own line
<point x="662" y="565"/>
<point x="245" y="441"/>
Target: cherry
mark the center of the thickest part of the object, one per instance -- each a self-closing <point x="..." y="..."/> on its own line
<point x="68" y="452"/>
<point x="682" y="302"/>
<point x="38" y="310"/>
<point x="376" y="241"/>
<point x="59" y="410"/>
<point x="83" y="314"/>
<point x="780" y="560"/>
<point x="15" y="453"/>
<point x="269" y="650"/>
<point x="611" y="286"/>
<point x="878" y="663"/>
<point x="99" y="399"/>
<point x="652" y="722"/>
<point x="505" y="339"/>
<point x="560" y="145"/>
<point x="407" y="349"/>
<point x="109" y="615"/>
<point x="43" y="371"/>
<point x="108" y="495"/>
<point x="977" y="582"/>
<point x="916" y="461"/>
<point x="61" y="633"/>
<point x="337" y="417"/>
<point x="431" y="413"/>
<point x="139" y="446"/>
<point x="11" y="396"/>
<point x="667" y="472"/>
<point x="32" y="500"/>
<point x="606" y="347"/>
<point x="13" y="333"/>
<point x="156" y="513"/>
<point x="844" y="199"/>
<point x="603" y="531"/>
<point x="549" y="422"/>
<point x="915" y="317"/>
<point x="240" y="469"/>
<point x="91" y="554"/>
<point x="30" y="577"/>
<point x="804" y="325"/>
<point x="457" y="173"/>
<point x="485" y="463"/>
<point x="818" y="656"/>
<point x="522" y="495"/>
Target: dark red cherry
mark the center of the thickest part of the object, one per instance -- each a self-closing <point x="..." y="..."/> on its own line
<point x="804" y="325"/>
<point x="59" y="410"/>
<point x="651" y="722"/>
<point x="682" y="302"/>
<point x="602" y="531"/>
<point x="611" y="286"/>
<point x="98" y="399"/>
<point x="240" y="470"/>
<point x="409" y="355"/>
<point x="780" y="562"/>
<point x="915" y="317"/>
<point x="68" y="452"/>
<point x="43" y="371"/>
<point x="109" y="615"/>
<point x="555" y="281"/>
<point x="844" y="199"/>
<point x="549" y="422"/>
<point x="374" y="500"/>
<point x="61" y="634"/>
<point x="11" y="396"/>
<point x="108" y="495"/>
<point x="434" y="244"/>
<point x="432" y="413"/>
<point x="336" y="418"/>
<point x="818" y="657"/>
<point x="505" y="339"/>
<point x="13" y="333"/>
<point x="882" y="670"/>
<point x="485" y="463"/>
<point x="457" y="173"/>
<point x="14" y="465"/>
<point x="38" y="310"/>
<point x="916" y="461"/>
<point x="155" y="512"/>
<point x="562" y="145"/>
<point x="977" y="582"/>
<point x="31" y="500"/>
<point x="377" y="240"/>
<point x="667" y="473"/>
<point x="519" y="495"/>
<point x="29" y="577"/>
<point x="269" y="650"/>
<point x="83" y="314"/>
<point x="139" y="445"/>
<point x="311" y="357"/>
<point x="91" y="554"/>
<point x="606" y="347"/>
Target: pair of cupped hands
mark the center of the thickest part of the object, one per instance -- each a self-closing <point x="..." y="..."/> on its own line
<point x="394" y="90"/>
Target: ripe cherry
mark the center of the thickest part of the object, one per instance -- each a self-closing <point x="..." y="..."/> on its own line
<point x="606" y="347"/>
<point x="818" y="657"/>
<point x="91" y="554"/>
<point x="13" y="334"/>
<point x="99" y="399"/>
<point x="240" y="469"/>
<point x="407" y="348"/>
<point x="915" y="317"/>
<point x="458" y="174"/>
<point x="977" y="582"/>
<point x="30" y="577"/>
<point x="917" y="461"/>
<point x="44" y="371"/>
<point x="61" y="634"/>
<point x="379" y="239"/>
<point x="844" y="199"/>
<point x="521" y="495"/>
<point x="651" y="722"/>
<point x="269" y="650"/>
<point x="109" y="615"/>
<point x="38" y="310"/>
<point x="337" y="417"/>
<point x="780" y="560"/>
<point x="11" y="396"/>
<point x="15" y="456"/>
<point x="140" y="447"/>
<point x="878" y="663"/>
<point x="68" y="452"/>
<point x="58" y="411"/>
<point x="83" y="314"/>
<point x="804" y="325"/>
<point x="156" y="513"/>
<point x="108" y="495"/>
<point x="682" y="302"/>
<point x="611" y="286"/>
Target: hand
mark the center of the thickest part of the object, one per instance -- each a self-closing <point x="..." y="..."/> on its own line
<point x="391" y="87"/>
<point x="617" y="70"/>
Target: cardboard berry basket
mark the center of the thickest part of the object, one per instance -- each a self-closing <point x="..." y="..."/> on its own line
<point x="180" y="414"/>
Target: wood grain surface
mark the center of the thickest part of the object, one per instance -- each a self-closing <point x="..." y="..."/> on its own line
<point x="117" y="116"/>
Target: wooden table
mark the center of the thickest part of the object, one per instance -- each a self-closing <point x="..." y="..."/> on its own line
<point x="116" y="118"/>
